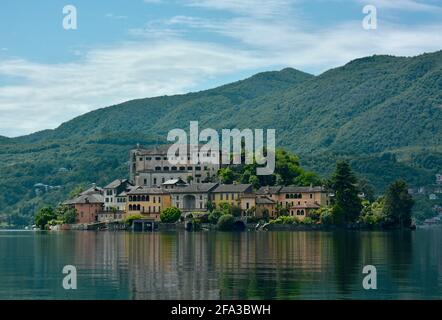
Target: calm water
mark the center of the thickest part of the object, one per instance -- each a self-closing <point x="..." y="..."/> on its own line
<point x="253" y="265"/>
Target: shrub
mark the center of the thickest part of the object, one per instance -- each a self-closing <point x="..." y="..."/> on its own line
<point x="307" y="220"/>
<point x="285" y="220"/>
<point x="225" y="222"/>
<point x="326" y="217"/>
<point x="130" y="219"/>
<point x="170" y="215"/>
<point x="235" y="211"/>
<point x="214" y="216"/>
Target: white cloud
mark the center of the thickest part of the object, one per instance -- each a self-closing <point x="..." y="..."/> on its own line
<point x="409" y="5"/>
<point x="50" y="94"/>
<point x="165" y="58"/>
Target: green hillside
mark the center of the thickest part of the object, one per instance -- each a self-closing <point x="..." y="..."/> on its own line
<point x="382" y="113"/>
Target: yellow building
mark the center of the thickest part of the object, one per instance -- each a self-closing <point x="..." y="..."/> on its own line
<point x="240" y="195"/>
<point x="147" y="202"/>
<point x="298" y="201"/>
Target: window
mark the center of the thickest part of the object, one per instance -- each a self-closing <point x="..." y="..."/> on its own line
<point x="141" y="159"/>
<point x="154" y="180"/>
<point x="148" y="158"/>
<point x="166" y="168"/>
<point x="198" y="168"/>
<point x="311" y="196"/>
<point x="174" y="168"/>
<point x="157" y="168"/>
<point x="157" y="158"/>
<point x="145" y="181"/>
<point x="182" y="168"/>
<point x="189" y="168"/>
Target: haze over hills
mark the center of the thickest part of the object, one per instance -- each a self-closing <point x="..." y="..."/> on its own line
<point x="382" y="113"/>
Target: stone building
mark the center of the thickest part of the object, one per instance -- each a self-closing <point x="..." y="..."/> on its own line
<point x="88" y="205"/>
<point x="148" y="202"/>
<point x="193" y="197"/>
<point x="151" y="167"/>
<point x="298" y="201"/>
<point x="115" y="195"/>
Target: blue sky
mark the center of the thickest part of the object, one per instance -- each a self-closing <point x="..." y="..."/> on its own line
<point x="131" y="49"/>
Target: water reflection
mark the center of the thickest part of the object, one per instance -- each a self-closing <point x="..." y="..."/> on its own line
<point x="203" y="265"/>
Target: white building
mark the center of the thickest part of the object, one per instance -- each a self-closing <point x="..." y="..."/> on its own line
<point x="150" y="167"/>
<point x="115" y="195"/>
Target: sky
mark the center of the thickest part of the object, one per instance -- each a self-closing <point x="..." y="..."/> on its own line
<point x="129" y="49"/>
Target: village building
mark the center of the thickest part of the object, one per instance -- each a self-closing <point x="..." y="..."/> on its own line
<point x="298" y="201"/>
<point x="240" y="195"/>
<point x="194" y="197"/>
<point x="151" y="167"/>
<point x="88" y="205"/>
<point x="115" y="195"/>
<point x="174" y="184"/>
<point x="148" y="202"/>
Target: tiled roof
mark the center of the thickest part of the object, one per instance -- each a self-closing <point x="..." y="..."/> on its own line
<point x="115" y="184"/>
<point x="86" y="198"/>
<point x="264" y="200"/>
<point x="234" y="188"/>
<point x="146" y="190"/>
<point x="269" y="190"/>
<point x="195" y="188"/>
<point x="294" y="189"/>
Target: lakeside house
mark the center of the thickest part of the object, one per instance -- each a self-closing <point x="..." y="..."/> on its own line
<point x="155" y="185"/>
<point x="89" y="204"/>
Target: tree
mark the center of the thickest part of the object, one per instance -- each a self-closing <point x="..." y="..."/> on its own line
<point x="189" y="179"/>
<point x="308" y="178"/>
<point x="43" y="216"/>
<point x="226" y="175"/>
<point x="76" y="191"/>
<point x="170" y="215"/>
<point x="225" y="222"/>
<point x="66" y="214"/>
<point x="398" y="204"/>
<point x="214" y="216"/>
<point x="346" y="203"/>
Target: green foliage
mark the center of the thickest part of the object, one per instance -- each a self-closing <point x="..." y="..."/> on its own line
<point x="285" y="220"/>
<point x="372" y="213"/>
<point x="214" y="216"/>
<point x="130" y="219"/>
<point x="225" y="222"/>
<point x="346" y="202"/>
<point x="170" y="215"/>
<point x="380" y="113"/>
<point x="66" y="214"/>
<point x="44" y="216"/>
<point x="326" y="215"/>
<point x="398" y="204"/>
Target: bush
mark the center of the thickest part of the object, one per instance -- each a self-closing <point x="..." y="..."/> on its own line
<point x="170" y="215"/>
<point x="214" y="216"/>
<point x="43" y="217"/>
<point x="307" y="220"/>
<point x="225" y="222"/>
<point x="235" y="211"/>
<point x="130" y="219"/>
<point x="326" y="217"/>
<point x="285" y="220"/>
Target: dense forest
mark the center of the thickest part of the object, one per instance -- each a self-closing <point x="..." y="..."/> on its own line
<point x="382" y="114"/>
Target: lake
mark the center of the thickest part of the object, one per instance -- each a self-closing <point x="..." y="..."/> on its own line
<point x="217" y="265"/>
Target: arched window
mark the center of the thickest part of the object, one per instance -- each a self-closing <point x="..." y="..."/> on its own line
<point x="130" y="198"/>
<point x="300" y="196"/>
<point x="166" y="168"/>
<point x="138" y="207"/>
<point x="143" y="198"/>
<point x="130" y="207"/>
<point x="287" y="196"/>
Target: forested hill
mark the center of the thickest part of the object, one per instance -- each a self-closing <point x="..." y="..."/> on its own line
<point x="382" y="113"/>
